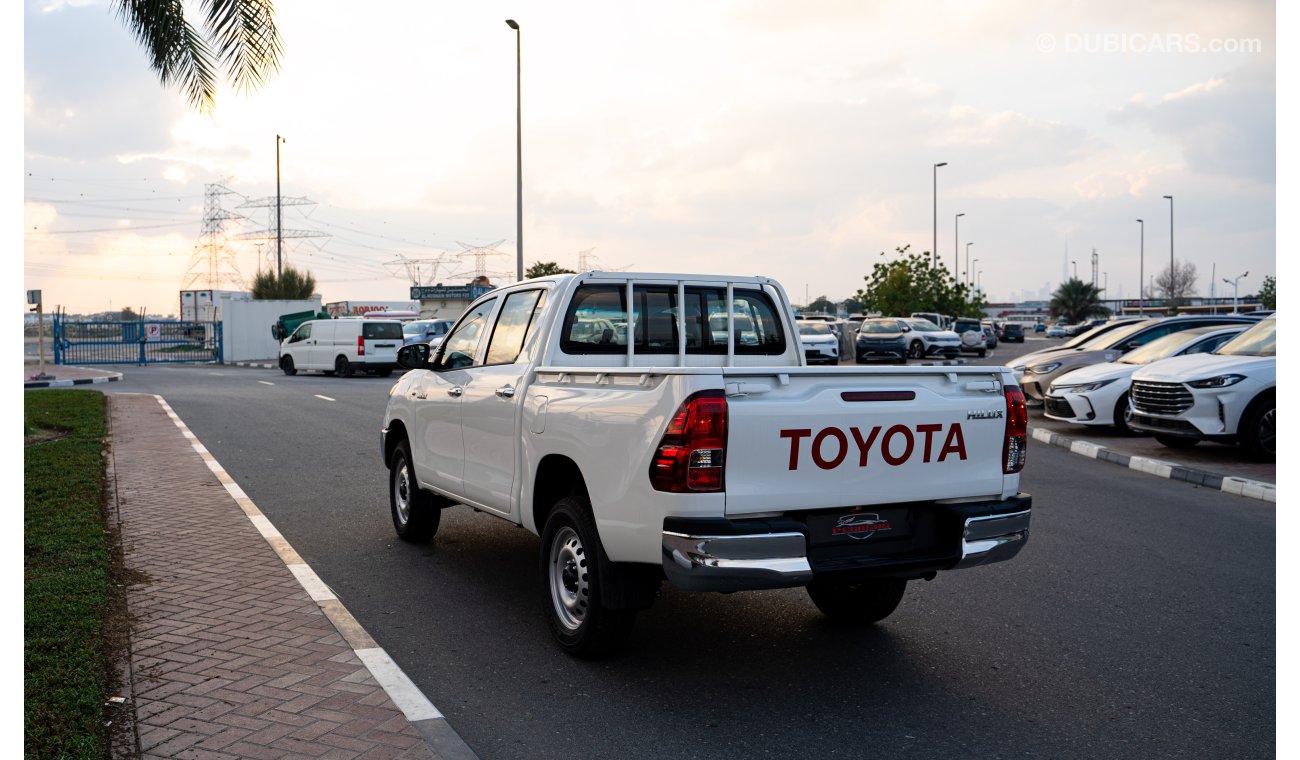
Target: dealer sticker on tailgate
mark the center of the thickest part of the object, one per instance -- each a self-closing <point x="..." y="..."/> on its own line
<point x="878" y="525"/>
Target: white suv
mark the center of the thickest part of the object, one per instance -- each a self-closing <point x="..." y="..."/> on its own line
<point x="1228" y="395"/>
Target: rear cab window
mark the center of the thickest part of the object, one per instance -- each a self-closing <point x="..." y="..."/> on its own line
<point x="596" y="321"/>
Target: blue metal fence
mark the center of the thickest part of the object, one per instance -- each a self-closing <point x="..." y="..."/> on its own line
<point x="140" y="342"/>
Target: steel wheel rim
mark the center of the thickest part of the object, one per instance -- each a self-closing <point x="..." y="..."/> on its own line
<point x="402" y="493"/>
<point x="567" y="573"/>
<point x="1268" y="430"/>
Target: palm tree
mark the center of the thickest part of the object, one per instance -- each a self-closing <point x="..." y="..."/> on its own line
<point x="1077" y="300"/>
<point x="247" y="44"/>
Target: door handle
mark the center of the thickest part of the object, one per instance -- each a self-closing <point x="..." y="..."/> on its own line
<point x="506" y="391"/>
<point x="455" y="391"/>
<point x="419" y="393"/>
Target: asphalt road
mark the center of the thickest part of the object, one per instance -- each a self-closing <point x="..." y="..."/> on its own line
<point x="1139" y="620"/>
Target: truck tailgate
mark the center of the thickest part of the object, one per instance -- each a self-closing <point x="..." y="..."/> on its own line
<point x="846" y="437"/>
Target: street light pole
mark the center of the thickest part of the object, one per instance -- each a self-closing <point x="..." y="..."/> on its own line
<point x="1233" y="282"/>
<point x="1075" y="264"/>
<point x="979" y="282"/>
<point x="934" y="244"/>
<point x="1142" y="255"/>
<point x="279" y="223"/>
<point x="966" y="271"/>
<point x="969" y="281"/>
<point x="956" y="228"/>
<point x="519" y="153"/>
<point x="1171" y="247"/>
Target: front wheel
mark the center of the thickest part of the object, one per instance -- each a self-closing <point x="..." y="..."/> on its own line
<point x="1259" y="432"/>
<point x="858" y="603"/>
<point x="917" y="350"/>
<point x="1123" y="415"/>
<point x="286" y="365"/>
<point x="571" y="584"/>
<point x="416" y="513"/>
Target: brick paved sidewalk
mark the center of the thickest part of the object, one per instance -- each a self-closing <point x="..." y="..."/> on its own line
<point x="230" y="656"/>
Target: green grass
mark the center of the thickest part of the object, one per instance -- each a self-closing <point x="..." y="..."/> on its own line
<point x="67" y="563"/>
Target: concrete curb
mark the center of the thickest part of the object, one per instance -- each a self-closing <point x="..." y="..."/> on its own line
<point x="1251" y="489"/>
<point x="65" y="383"/>
<point x="255" y="365"/>
<point x="441" y="739"/>
<point x="944" y="363"/>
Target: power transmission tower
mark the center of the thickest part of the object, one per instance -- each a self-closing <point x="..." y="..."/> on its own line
<point x="270" y="232"/>
<point x="480" y="254"/>
<point x="588" y="261"/>
<point x="213" y="261"/>
<point x="418" y="271"/>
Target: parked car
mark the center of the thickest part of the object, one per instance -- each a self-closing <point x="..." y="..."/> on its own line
<point x="1055" y="331"/>
<point x="972" y="335"/>
<point x="1098" y="395"/>
<point x="928" y="339"/>
<point x="1040" y="327"/>
<point x="430" y="331"/>
<point x="1228" y="395"/>
<point x="343" y="346"/>
<point x="882" y="339"/>
<point x="1109" y="346"/>
<point x="821" y="344"/>
<point x="1013" y="332"/>
<point x="990" y="334"/>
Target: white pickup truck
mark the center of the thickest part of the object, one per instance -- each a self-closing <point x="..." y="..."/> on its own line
<point x="605" y="413"/>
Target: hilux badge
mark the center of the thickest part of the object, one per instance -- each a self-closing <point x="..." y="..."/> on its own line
<point x="984" y="414"/>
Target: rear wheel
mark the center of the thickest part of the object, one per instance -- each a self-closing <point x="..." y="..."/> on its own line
<point x="571" y="583"/>
<point x="1259" y="431"/>
<point x="286" y="365"/>
<point x="416" y="512"/>
<point x="981" y="353"/>
<point x="342" y="367"/>
<point x="384" y="372"/>
<point x="858" y="603"/>
<point x="1177" y="441"/>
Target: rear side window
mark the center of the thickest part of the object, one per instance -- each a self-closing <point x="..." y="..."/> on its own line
<point x="513" y="326"/>
<point x="381" y="330"/>
<point x="596" y="322"/>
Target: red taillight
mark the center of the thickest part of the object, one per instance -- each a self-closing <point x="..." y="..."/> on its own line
<point x="690" y="456"/>
<point x="1016" y="446"/>
<point x="361" y="345"/>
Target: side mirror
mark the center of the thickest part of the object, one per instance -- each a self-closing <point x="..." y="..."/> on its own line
<point x="906" y="328"/>
<point x="414" y="356"/>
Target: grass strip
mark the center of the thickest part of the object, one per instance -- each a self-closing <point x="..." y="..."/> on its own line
<point x="66" y="567"/>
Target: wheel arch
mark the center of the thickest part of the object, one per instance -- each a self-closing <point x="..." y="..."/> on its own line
<point x="557" y="476"/>
<point x="1263" y="397"/>
<point x="396" y="435"/>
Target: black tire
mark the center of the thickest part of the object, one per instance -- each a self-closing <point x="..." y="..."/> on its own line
<point x="384" y="372"/>
<point x="1122" y="415"/>
<point x="916" y="350"/>
<point x="570" y="584"/>
<point x="858" y="603"/>
<point x="1258" y="431"/>
<point x="981" y="353"/>
<point x="342" y="367"/>
<point x="416" y="513"/>
<point x="286" y="365"/>
<point x="1177" y="441"/>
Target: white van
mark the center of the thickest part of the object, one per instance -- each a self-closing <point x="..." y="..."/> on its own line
<point x="343" y="346"/>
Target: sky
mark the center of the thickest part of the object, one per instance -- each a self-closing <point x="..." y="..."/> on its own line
<point x="793" y="140"/>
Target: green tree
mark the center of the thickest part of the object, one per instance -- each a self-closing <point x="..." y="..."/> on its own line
<point x="238" y="36"/>
<point x="292" y="285"/>
<point x="822" y="304"/>
<point x="1268" y="292"/>
<point x="911" y="282"/>
<point x="1077" y="300"/>
<point x="543" y="268"/>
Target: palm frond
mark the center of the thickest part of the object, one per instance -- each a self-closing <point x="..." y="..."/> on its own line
<point x="246" y="37"/>
<point x="176" y="51"/>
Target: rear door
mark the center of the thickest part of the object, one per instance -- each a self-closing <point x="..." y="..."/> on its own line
<point x="841" y="438"/>
<point x="381" y="339"/>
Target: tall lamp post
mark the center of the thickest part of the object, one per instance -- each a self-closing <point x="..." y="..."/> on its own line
<point x="956" y="235"/>
<point x="1171" y="247"/>
<point x="279" y="226"/>
<point x="969" y="281"/>
<point x="1075" y="264"/>
<point x="979" y="279"/>
<point x="1233" y="283"/>
<point x="934" y="244"/>
<point x="966" y="271"/>
<point x="519" y="154"/>
<point x="1142" y="256"/>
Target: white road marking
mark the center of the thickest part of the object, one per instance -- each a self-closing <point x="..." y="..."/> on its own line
<point x="327" y="398"/>
<point x="406" y="695"/>
<point x="263" y="382"/>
